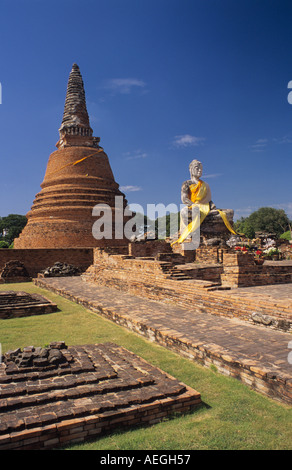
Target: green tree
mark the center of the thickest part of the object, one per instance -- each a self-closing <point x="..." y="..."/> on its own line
<point x="13" y="224"/>
<point x="265" y="219"/>
<point x="244" y="226"/>
<point x="4" y="244"/>
<point x="286" y="235"/>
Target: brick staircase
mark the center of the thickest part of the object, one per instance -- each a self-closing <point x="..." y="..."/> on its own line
<point x="173" y="272"/>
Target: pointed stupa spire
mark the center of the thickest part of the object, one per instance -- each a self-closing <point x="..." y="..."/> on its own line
<point x="75" y="117"/>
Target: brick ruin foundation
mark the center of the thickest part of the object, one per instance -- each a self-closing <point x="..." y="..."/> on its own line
<point x="14" y="271"/>
<point x="59" y="395"/>
<point x="21" y="304"/>
<point x="154" y="260"/>
<point x="240" y="270"/>
<point x="156" y="270"/>
<point x="166" y="276"/>
<point x="252" y="354"/>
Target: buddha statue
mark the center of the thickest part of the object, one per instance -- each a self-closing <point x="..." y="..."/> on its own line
<point x="214" y="223"/>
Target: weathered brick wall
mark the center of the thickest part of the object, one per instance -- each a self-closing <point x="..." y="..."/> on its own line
<point x="203" y="254"/>
<point x="210" y="254"/>
<point x="149" y="248"/>
<point x="182" y="249"/>
<point x="241" y="271"/>
<point x="110" y="264"/>
<point x="35" y="260"/>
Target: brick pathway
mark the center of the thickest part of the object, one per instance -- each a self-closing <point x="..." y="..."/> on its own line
<point x="254" y="354"/>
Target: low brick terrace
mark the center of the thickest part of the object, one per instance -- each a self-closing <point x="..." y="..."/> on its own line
<point x="57" y="395"/>
<point x="21" y="304"/>
<point x="252" y="352"/>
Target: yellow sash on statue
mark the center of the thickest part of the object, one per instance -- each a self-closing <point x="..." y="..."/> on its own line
<point x="227" y="224"/>
<point x="197" y="193"/>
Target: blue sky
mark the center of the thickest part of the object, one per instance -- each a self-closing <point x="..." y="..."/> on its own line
<point x="166" y="81"/>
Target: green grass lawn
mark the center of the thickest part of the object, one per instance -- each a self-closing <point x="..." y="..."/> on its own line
<point x="232" y="416"/>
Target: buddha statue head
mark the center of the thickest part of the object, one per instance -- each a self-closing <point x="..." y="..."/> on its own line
<point x="196" y="170"/>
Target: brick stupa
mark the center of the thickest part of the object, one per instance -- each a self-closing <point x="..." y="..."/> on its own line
<point x="78" y="177"/>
